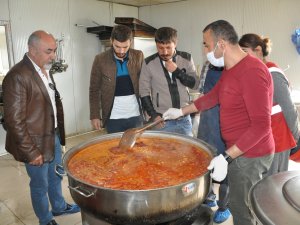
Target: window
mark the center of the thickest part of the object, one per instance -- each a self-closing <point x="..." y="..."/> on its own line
<point x="6" y="55"/>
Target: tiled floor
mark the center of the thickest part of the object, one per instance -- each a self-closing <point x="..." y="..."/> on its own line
<point x="15" y="203"/>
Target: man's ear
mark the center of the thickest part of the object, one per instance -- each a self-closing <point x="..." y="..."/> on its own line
<point x="32" y="49"/>
<point x="222" y="43"/>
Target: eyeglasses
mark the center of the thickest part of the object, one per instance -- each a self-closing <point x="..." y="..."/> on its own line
<point x="52" y="86"/>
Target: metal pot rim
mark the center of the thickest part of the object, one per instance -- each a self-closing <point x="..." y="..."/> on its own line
<point x="68" y="155"/>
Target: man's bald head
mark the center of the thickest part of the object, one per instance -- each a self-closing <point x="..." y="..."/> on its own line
<point x="37" y="36"/>
<point x="42" y="48"/>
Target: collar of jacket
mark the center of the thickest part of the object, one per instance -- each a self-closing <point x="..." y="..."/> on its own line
<point x="37" y="78"/>
<point x="28" y="62"/>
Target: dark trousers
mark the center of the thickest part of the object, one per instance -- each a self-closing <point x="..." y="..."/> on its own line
<point x="120" y="125"/>
<point x="223" y="194"/>
<point x="223" y="201"/>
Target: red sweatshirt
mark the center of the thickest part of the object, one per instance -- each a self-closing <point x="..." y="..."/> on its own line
<point x="245" y="94"/>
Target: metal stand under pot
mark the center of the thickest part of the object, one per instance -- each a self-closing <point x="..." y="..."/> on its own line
<point x="202" y="215"/>
<point x="276" y="199"/>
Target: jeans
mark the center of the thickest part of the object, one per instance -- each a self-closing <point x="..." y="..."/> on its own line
<point x="182" y="125"/>
<point x="120" y="125"/>
<point x="45" y="185"/>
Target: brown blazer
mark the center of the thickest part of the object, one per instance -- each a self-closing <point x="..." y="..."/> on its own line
<point x="103" y="81"/>
<point x="28" y="114"/>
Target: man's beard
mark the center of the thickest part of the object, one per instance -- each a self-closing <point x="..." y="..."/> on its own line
<point x="120" y="55"/>
<point x="165" y="57"/>
<point x="48" y="66"/>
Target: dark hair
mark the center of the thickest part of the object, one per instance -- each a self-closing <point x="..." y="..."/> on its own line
<point x="254" y="40"/>
<point x="121" y="33"/>
<point x="166" y="35"/>
<point x="223" y="29"/>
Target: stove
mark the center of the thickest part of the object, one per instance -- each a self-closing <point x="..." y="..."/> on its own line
<point x="201" y="215"/>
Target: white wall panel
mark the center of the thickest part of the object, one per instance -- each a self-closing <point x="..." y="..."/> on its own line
<point x="124" y="11"/>
<point x="59" y="18"/>
<point x="86" y="46"/>
<point x="4" y="12"/>
<point x="276" y="19"/>
<point x="189" y="18"/>
<point x="52" y="16"/>
<point x="29" y="15"/>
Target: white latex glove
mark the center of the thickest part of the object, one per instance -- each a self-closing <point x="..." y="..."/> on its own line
<point x="219" y="165"/>
<point x="172" y="114"/>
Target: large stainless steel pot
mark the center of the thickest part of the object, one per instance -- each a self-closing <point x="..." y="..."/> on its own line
<point x="139" y="206"/>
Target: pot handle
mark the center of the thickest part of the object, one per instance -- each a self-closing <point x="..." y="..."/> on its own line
<point x="61" y="168"/>
<point x="76" y="189"/>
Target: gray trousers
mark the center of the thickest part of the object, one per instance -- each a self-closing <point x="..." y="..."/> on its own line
<point x="243" y="173"/>
<point x="280" y="163"/>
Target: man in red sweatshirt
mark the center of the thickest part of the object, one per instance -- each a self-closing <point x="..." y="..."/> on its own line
<point x="244" y="93"/>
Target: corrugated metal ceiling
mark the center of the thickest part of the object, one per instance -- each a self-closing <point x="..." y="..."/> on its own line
<point x="139" y="3"/>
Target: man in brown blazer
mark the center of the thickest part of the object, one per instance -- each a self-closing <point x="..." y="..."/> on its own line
<point x="114" y="91"/>
<point x="33" y="117"/>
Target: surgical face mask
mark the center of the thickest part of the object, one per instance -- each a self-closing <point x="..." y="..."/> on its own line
<point x="218" y="62"/>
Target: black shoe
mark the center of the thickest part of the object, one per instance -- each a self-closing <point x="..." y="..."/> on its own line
<point x="71" y="208"/>
<point x="52" y="222"/>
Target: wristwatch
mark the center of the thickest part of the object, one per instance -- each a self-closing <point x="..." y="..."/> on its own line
<point x="227" y="157"/>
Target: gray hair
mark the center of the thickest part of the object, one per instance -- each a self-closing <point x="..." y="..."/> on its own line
<point x="35" y="37"/>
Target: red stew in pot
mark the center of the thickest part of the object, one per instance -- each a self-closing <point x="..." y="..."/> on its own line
<point x="152" y="163"/>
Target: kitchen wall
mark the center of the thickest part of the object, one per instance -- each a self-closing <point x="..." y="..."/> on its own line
<point x="276" y="19"/>
<point x="4" y="63"/>
<point x="60" y="17"/>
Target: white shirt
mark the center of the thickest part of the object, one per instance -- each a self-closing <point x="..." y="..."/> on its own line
<point x="125" y="107"/>
<point x="46" y="82"/>
<point x="170" y="74"/>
